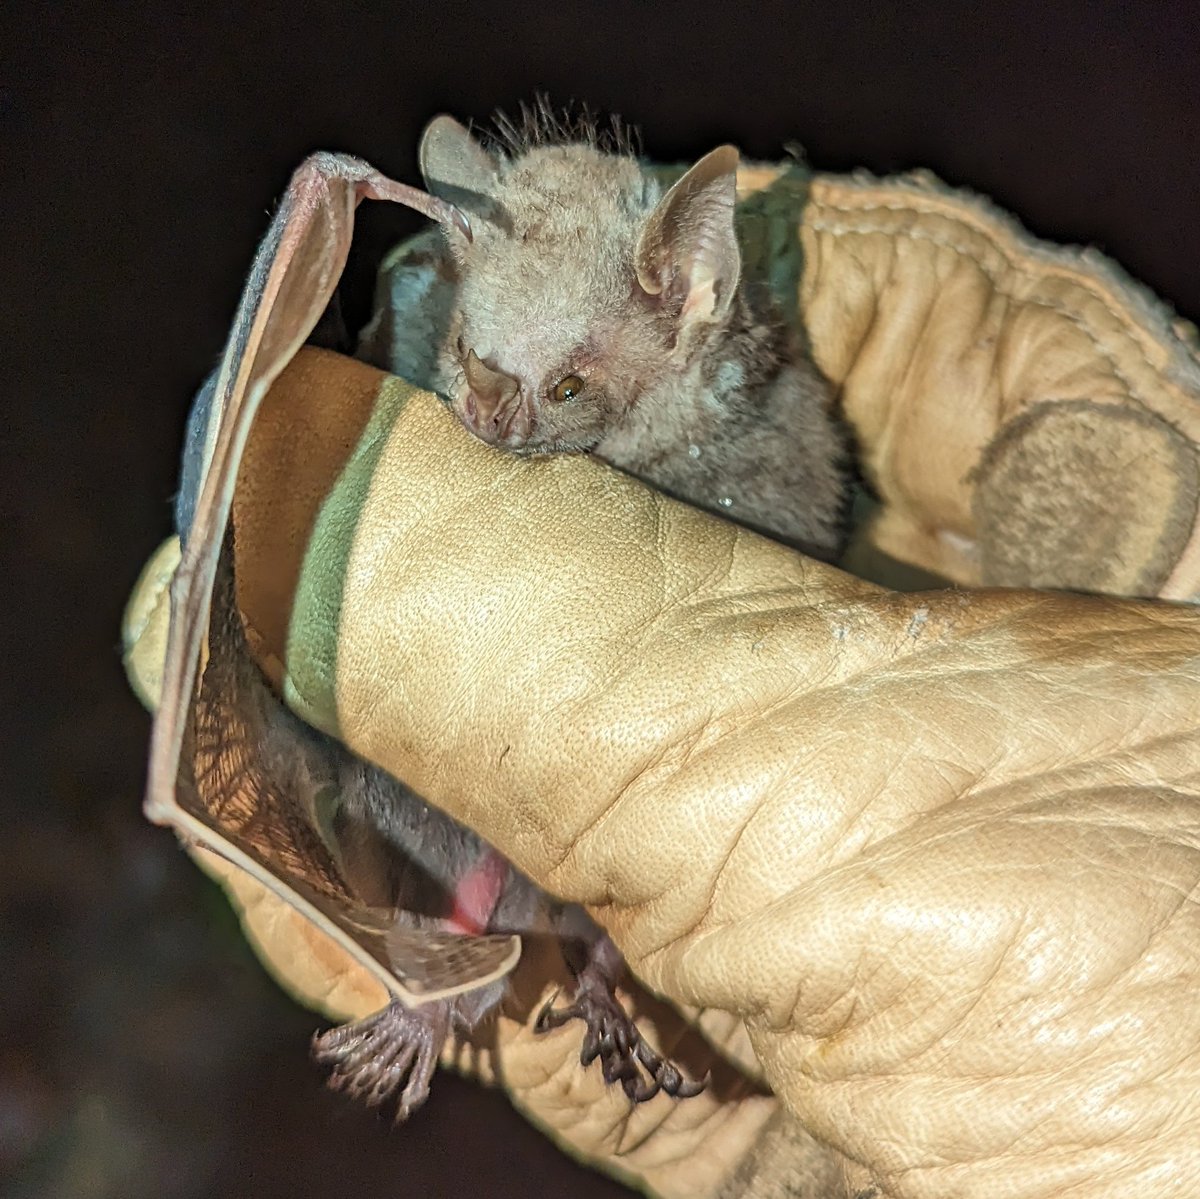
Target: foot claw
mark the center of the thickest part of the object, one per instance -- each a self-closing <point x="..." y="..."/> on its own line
<point x="613" y="1037"/>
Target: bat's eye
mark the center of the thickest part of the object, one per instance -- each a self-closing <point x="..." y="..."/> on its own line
<point x="568" y="388"/>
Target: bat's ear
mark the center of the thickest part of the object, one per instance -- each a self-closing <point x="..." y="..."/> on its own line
<point x="456" y="167"/>
<point x="688" y="253"/>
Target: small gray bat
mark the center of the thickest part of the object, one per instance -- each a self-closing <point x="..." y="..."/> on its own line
<point x="595" y="313"/>
<point x="431" y="888"/>
<point x="581" y="309"/>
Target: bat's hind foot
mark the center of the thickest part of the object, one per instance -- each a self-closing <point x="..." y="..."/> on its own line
<point x="613" y="1037"/>
<point x="394" y="1052"/>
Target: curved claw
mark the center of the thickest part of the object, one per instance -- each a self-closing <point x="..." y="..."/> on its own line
<point x="550" y="1017"/>
<point x="668" y="1075"/>
<point x="613" y="1037"/>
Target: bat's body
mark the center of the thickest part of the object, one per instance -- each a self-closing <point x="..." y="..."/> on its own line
<point x="583" y="310"/>
<point x="594" y="313"/>
<point x="589" y="313"/>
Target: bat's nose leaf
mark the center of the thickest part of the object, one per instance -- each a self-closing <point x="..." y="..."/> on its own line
<point x="492" y="387"/>
<point x="512" y="420"/>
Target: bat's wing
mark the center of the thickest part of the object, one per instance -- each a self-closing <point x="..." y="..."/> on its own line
<point x="207" y="778"/>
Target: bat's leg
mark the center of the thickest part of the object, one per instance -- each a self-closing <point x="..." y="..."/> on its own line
<point x="395" y="1050"/>
<point x="612" y="1035"/>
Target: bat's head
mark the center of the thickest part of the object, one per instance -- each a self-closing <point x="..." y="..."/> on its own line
<point x="581" y="286"/>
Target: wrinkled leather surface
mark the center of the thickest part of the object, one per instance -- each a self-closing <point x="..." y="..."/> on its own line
<point x="938" y="851"/>
<point x="945" y="324"/>
<point x="673" y="1149"/>
<point x="669" y="1149"/>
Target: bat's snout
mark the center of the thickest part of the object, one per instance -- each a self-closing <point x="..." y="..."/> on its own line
<point x="493" y="408"/>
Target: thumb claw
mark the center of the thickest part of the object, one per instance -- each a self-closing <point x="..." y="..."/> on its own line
<point x="548" y="1018"/>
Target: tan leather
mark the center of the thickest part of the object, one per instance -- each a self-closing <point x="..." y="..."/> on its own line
<point x="937" y="853"/>
<point x="668" y="1149"/>
<point x="1012" y="399"/>
<point x="1028" y="415"/>
<point x="145" y="623"/>
<point x="936" y="850"/>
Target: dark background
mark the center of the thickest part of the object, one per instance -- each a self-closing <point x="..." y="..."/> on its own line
<point x="142" y="1050"/>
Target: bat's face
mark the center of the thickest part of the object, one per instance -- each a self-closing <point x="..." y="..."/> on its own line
<point x="550" y="354"/>
<point x="580" y="287"/>
<point x="554" y="339"/>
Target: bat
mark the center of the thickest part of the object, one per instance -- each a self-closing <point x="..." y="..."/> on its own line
<point x="425" y="906"/>
<point x="592" y="311"/>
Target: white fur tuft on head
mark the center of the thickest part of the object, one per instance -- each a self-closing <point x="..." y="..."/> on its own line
<point x="541" y="124"/>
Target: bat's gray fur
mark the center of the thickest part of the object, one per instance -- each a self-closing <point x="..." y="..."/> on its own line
<point x="579" y="268"/>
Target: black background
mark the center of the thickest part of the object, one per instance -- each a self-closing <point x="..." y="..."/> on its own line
<point x="142" y="1050"/>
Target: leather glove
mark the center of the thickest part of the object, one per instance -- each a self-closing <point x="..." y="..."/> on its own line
<point x="933" y="854"/>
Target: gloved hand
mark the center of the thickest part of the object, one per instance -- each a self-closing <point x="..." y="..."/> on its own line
<point x="935" y="854"/>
